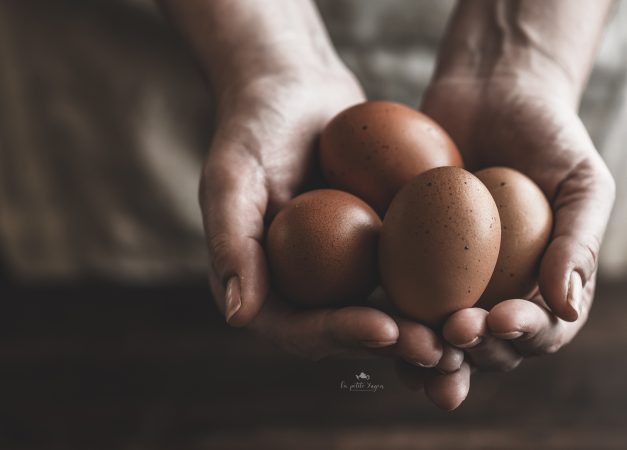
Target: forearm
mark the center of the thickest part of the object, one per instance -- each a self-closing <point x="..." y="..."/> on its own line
<point x="239" y="39"/>
<point x="552" y="40"/>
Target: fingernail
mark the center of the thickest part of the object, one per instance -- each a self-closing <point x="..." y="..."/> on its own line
<point x="509" y="335"/>
<point x="476" y="341"/>
<point x="377" y="344"/>
<point x="424" y="366"/>
<point x="575" y="292"/>
<point x="233" y="298"/>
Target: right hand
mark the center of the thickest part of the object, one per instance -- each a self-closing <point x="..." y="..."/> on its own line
<point x="531" y="125"/>
<point x="262" y="155"/>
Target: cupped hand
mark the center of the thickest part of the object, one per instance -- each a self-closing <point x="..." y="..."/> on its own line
<point x="531" y="126"/>
<point x="262" y="155"/>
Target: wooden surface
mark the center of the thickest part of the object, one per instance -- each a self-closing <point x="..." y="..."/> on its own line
<point x="96" y="367"/>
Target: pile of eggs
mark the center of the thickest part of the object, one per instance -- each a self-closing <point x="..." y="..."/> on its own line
<point x="449" y="239"/>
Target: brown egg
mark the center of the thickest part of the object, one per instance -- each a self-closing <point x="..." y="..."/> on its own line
<point x="322" y="248"/>
<point x="374" y="148"/>
<point x="526" y="223"/>
<point x="439" y="244"/>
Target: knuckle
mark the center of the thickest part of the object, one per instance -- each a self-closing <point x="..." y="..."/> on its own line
<point x="589" y="252"/>
<point x="583" y="251"/>
<point x="219" y="250"/>
<point x="568" y="332"/>
<point x="219" y="177"/>
<point x="553" y="348"/>
<point x="211" y="179"/>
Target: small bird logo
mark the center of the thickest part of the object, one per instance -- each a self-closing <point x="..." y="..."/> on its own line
<point x="362" y="376"/>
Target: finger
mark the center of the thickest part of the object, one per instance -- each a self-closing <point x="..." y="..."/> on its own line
<point x="319" y="333"/>
<point x="531" y="328"/>
<point x="451" y="360"/>
<point x="525" y="324"/>
<point x="448" y="391"/>
<point x="582" y="206"/>
<point x="417" y="344"/>
<point x="494" y="354"/>
<point x="232" y="200"/>
<point x="467" y="329"/>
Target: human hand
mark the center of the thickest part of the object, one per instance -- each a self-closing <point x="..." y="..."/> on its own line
<point x="261" y="156"/>
<point x="278" y="81"/>
<point x="531" y="125"/>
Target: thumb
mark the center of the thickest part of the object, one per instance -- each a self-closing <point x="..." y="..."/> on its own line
<point x="233" y="201"/>
<point x="582" y="207"/>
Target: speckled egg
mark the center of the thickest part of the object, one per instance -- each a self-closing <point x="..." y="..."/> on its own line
<point x="526" y="223"/>
<point x="322" y="249"/>
<point x="439" y="244"/>
<point x="372" y="149"/>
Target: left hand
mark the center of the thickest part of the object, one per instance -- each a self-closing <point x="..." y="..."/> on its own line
<point x="530" y="125"/>
<point x="261" y="156"/>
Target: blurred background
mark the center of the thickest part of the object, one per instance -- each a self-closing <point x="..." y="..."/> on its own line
<point x="108" y="336"/>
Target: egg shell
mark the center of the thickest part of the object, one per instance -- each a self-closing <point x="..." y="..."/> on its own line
<point x="526" y="224"/>
<point x="322" y="249"/>
<point x="374" y="148"/>
<point x="439" y="244"/>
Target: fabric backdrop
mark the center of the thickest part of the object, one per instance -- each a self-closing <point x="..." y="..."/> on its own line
<point x="104" y="121"/>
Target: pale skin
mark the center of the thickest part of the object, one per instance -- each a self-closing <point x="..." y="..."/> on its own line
<point x="507" y="86"/>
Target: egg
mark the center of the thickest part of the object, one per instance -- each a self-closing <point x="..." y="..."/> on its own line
<point x="322" y="249"/>
<point x="372" y="149"/>
<point x="526" y="223"/>
<point x="439" y="244"/>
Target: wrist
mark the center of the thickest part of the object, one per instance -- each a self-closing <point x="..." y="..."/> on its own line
<point x="237" y="42"/>
<point x="516" y="71"/>
<point x="546" y="85"/>
<point x="251" y="87"/>
<point x="548" y="46"/>
<point x="286" y="57"/>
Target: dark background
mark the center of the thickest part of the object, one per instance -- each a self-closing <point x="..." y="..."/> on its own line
<point x="99" y="367"/>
